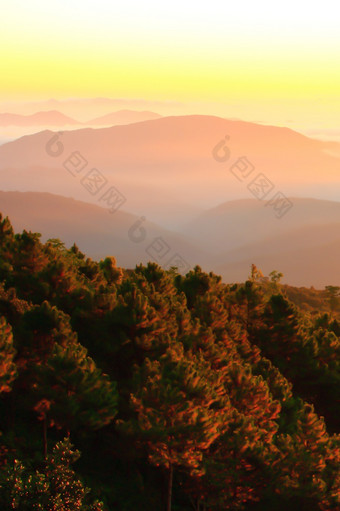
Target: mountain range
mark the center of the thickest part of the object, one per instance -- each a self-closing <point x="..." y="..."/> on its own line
<point x="48" y="118"/>
<point x="207" y="185"/>
<point x="226" y="240"/>
<point x="166" y="169"/>
<point x="130" y="239"/>
<point x="122" y="117"/>
<point x="56" y="118"/>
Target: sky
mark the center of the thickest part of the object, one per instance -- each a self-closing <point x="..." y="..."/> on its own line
<point x="262" y="61"/>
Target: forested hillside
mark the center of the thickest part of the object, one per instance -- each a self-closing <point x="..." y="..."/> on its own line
<point x="160" y="391"/>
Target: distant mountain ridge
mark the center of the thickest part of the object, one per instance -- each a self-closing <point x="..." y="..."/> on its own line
<point x="123" y="117"/>
<point x="48" y="118"/>
<point x="307" y="252"/>
<point x="56" y="118"/>
<point x="97" y="232"/>
<point x="304" y="245"/>
<point x="161" y="163"/>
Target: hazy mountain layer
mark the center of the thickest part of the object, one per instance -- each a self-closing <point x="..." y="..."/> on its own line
<point x="226" y="240"/>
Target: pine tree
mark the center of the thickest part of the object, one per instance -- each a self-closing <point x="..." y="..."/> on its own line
<point x="8" y="369"/>
<point x="78" y="396"/>
<point x="56" y="378"/>
<point x="178" y="412"/>
<point x="333" y="296"/>
<point x="6" y="247"/>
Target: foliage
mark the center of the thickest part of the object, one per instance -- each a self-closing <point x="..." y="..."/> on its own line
<point x="182" y="392"/>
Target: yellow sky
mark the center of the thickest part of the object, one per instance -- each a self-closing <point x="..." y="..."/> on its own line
<point x="257" y="54"/>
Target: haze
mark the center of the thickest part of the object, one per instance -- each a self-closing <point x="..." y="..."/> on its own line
<point x="144" y="94"/>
